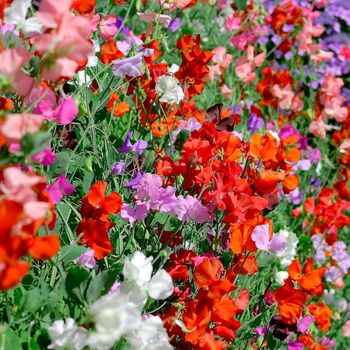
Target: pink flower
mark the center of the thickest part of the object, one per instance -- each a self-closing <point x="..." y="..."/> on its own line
<point x="154" y="17"/>
<point x="226" y="91"/>
<point x="245" y="65"/>
<point x="285" y="95"/>
<point x="66" y="111"/>
<point x="318" y="128"/>
<point x="17" y="125"/>
<point x="12" y="77"/>
<point x="67" y="45"/>
<point x="346" y="329"/>
<point x="45" y="157"/>
<point x="61" y="187"/>
<point x="87" y="259"/>
<point x="233" y="23"/>
<point x="50" y="11"/>
<point x="108" y="28"/>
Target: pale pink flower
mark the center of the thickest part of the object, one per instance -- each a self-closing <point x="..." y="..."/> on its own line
<point x="17" y="125"/>
<point x="346" y="329"/>
<point x="65" y="47"/>
<point x="226" y="91"/>
<point x="285" y="95"/>
<point x="87" y="259"/>
<point x="154" y="17"/>
<point x="108" y="28"/>
<point x="245" y="65"/>
<point x="50" y="11"/>
<point x="318" y="128"/>
<point x="173" y="4"/>
<point x="12" y="77"/>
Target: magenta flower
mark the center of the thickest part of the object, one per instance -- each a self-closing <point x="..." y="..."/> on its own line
<point x="45" y="157"/>
<point x="61" y="187"/>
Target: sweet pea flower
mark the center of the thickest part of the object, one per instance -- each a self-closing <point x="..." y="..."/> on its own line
<point x="108" y="28"/>
<point x="66" y="334"/>
<point x="16" y="14"/>
<point x="113" y="316"/>
<point x="87" y="259"/>
<point x="261" y="237"/>
<point x="17" y="125"/>
<point x="138" y="271"/>
<point x="150" y="335"/>
<point x="130" y="66"/>
<point x="45" y="157"/>
<point x="118" y="168"/>
<point x="12" y="78"/>
<point x="60" y="187"/>
<point x="245" y="65"/>
<point x="169" y="90"/>
<point x="155" y="17"/>
<point x="133" y="183"/>
<point x="175" y="24"/>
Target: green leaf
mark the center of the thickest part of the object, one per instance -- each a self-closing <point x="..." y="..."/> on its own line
<point x="61" y="163"/>
<point x="31" y="300"/>
<point x="34" y="143"/>
<point x="76" y="283"/>
<point x="101" y="283"/>
<point x="182" y="137"/>
<point x="87" y="181"/>
<point x="241" y="4"/>
<point x="69" y="253"/>
<point x="8" y="339"/>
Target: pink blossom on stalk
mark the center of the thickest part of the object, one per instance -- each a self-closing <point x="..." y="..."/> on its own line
<point x="12" y="77"/>
<point x="66" y="111"/>
<point x="108" y="28"/>
<point x="222" y="60"/>
<point x="318" y="128"/>
<point x="67" y="45"/>
<point x="154" y="17"/>
<point x="50" y="11"/>
<point x="59" y="188"/>
<point x="87" y="259"/>
<point x="45" y="157"/>
<point x="17" y="125"/>
<point x="233" y="23"/>
<point x="245" y="65"/>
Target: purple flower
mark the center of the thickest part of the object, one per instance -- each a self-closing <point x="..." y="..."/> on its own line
<point x="118" y="168"/>
<point x="288" y="131"/>
<point x="314" y="155"/>
<point x="138" y="147"/>
<point x="332" y="274"/>
<point x="133" y="183"/>
<point x="59" y="188"/>
<point x="132" y="215"/>
<point x="129" y="66"/>
<point x="329" y="344"/>
<point x="295" y="196"/>
<point x="175" y="24"/>
<point x="255" y="123"/>
<point x="278" y="243"/>
<point x="87" y="259"/>
<point x="295" y="345"/>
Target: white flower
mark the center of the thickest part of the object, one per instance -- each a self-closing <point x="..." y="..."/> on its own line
<point x="138" y="272"/>
<point x="16" y="14"/>
<point x="161" y="285"/>
<point x="93" y="59"/>
<point x="66" y="334"/>
<point x="287" y="254"/>
<point x="169" y="89"/>
<point x="138" y="269"/>
<point x="173" y="68"/>
<point x="113" y="315"/>
<point x="150" y="335"/>
<point x="280" y="277"/>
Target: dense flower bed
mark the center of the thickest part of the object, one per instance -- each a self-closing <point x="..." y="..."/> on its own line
<point x="174" y="174"/>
